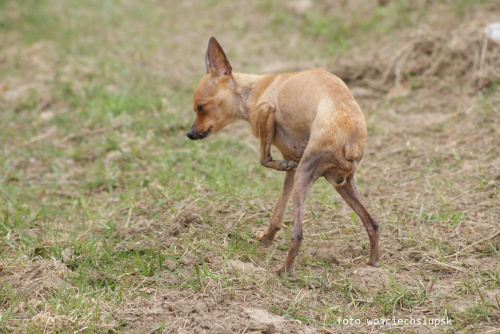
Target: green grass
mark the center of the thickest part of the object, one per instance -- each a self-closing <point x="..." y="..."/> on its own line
<point x="97" y="177"/>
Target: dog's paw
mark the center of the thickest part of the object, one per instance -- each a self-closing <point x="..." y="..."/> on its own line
<point x="264" y="239"/>
<point x="287" y="165"/>
<point x="283" y="271"/>
<point x="373" y="263"/>
<point x="283" y="164"/>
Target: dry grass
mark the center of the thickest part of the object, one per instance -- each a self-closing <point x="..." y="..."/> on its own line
<point x="112" y="221"/>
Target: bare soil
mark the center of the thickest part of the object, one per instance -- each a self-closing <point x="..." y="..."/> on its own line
<point x="430" y="175"/>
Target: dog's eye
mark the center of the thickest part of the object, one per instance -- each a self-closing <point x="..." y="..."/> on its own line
<point x="199" y="108"/>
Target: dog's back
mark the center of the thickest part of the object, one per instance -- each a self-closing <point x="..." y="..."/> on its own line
<point x="315" y="108"/>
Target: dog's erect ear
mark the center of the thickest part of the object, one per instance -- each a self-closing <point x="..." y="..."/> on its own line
<point x="216" y="60"/>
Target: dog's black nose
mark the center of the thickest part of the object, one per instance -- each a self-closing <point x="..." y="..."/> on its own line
<point x="190" y="133"/>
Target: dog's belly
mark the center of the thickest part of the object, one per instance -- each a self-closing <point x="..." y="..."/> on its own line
<point x="293" y="127"/>
<point x="291" y="142"/>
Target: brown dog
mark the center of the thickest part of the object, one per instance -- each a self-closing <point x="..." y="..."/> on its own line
<point x="310" y="116"/>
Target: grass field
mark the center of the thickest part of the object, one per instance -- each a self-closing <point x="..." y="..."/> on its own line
<point x="111" y="220"/>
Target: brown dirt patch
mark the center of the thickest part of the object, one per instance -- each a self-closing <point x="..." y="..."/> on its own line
<point x="430" y="175"/>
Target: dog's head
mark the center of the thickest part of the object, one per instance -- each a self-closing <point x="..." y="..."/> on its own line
<point x="215" y="101"/>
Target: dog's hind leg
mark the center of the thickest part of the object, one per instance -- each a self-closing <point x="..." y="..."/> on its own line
<point x="279" y="210"/>
<point x="349" y="192"/>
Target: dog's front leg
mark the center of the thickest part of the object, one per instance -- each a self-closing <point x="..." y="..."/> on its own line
<point x="267" y="130"/>
<point x="279" y="210"/>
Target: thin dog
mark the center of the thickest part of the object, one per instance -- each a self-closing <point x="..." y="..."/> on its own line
<point x="311" y="117"/>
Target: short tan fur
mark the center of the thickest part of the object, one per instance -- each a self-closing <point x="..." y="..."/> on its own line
<point x="311" y="117"/>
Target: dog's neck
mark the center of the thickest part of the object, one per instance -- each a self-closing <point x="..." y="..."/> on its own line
<point x="244" y="85"/>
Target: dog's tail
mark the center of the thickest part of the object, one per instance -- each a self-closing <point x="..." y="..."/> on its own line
<point x="351" y="154"/>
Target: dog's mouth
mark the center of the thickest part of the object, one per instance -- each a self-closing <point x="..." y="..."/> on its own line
<point x="200" y="135"/>
<point x="205" y="134"/>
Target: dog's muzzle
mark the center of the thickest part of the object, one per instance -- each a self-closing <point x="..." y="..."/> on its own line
<point x="193" y="135"/>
